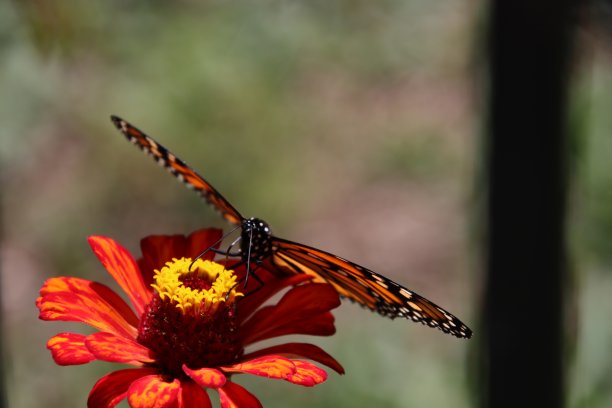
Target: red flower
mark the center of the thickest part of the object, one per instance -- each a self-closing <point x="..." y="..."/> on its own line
<point x="190" y="326"/>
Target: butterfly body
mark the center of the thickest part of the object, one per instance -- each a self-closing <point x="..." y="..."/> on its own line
<point x="259" y="246"/>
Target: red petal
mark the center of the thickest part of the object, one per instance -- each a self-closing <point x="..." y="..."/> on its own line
<point x="193" y="396"/>
<point x="159" y="249"/>
<point x="115" y="349"/>
<point x="316" y="325"/>
<point x="206" y="377"/>
<point x="201" y="240"/>
<point x="303" y="350"/>
<point x="303" y="310"/>
<point x="234" y="396"/>
<point x="123" y="268"/>
<point x="112" y="388"/>
<point x="307" y="374"/>
<point x="81" y="300"/>
<point x="69" y="349"/>
<point x="267" y="366"/>
<point x="152" y="391"/>
<point x="249" y="304"/>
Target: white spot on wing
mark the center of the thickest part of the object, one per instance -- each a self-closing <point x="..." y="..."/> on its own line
<point x="406" y="293"/>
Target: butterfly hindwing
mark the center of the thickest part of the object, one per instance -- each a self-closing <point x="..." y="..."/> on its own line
<point x="179" y="169"/>
<point x="364" y="286"/>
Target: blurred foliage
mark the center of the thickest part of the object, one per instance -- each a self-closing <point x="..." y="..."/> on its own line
<point x="592" y="227"/>
<point x="598" y="178"/>
<point x="350" y="125"/>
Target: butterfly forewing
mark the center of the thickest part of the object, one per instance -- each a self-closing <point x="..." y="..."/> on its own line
<point x="364" y="286"/>
<point x="179" y="169"/>
<point x="350" y="280"/>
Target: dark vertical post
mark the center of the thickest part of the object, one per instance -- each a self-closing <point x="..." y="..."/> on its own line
<point x="3" y="361"/>
<point x="529" y="56"/>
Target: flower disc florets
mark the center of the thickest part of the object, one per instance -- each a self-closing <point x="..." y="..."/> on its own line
<point x="191" y="319"/>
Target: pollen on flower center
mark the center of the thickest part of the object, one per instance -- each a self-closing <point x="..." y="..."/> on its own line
<point x="198" y="289"/>
<point x="191" y="319"/>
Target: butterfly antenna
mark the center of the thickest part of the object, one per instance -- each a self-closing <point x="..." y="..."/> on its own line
<point x="212" y="247"/>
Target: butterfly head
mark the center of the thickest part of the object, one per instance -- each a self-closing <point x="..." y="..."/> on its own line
<point x="256" y="239"/>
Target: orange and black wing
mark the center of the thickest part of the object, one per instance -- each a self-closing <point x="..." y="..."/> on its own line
<point x="179" y="169"/>
<point x="363" y="286"/>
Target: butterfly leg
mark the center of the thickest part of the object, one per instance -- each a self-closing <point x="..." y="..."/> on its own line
<point x="253" y="273"/>
<point x="250" y="272"/>
<point x="229" y="252"/>
<point x="226" y="252"/>
<point x="247" y="260"/>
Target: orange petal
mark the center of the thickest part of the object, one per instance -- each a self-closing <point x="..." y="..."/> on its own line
<point x="81" y="300"/>
<point x="267" y="366"/>
<point x="69" y="349"/>
<point x="120" y="264"/>
<point x="299" y="350"/>
<point x="112" y="388"/>
<point x="84" y="287"/>
<point x="307" y="374"/>
<point x="193" y="396"/>
<point x="117" y="349"/>
<point x="206" y="377"/>
<point x="152" y="391"/>
<point x="234" y="396"/>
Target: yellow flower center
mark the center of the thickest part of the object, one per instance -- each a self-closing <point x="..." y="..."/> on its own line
<point x="199" y="289"/>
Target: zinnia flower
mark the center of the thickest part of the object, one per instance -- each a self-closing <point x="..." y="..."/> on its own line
<point x="189" y="326"/>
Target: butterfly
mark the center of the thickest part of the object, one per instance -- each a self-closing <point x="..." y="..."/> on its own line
<point x="259" y="246"/>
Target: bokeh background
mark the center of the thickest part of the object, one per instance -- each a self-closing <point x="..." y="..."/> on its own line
<point x="353" y="126"/>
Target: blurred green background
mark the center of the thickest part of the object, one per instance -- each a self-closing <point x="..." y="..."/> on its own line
<point x="354" y="126"/>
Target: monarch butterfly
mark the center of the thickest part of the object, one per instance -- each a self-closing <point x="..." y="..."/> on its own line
<point x="258" y="245"/>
